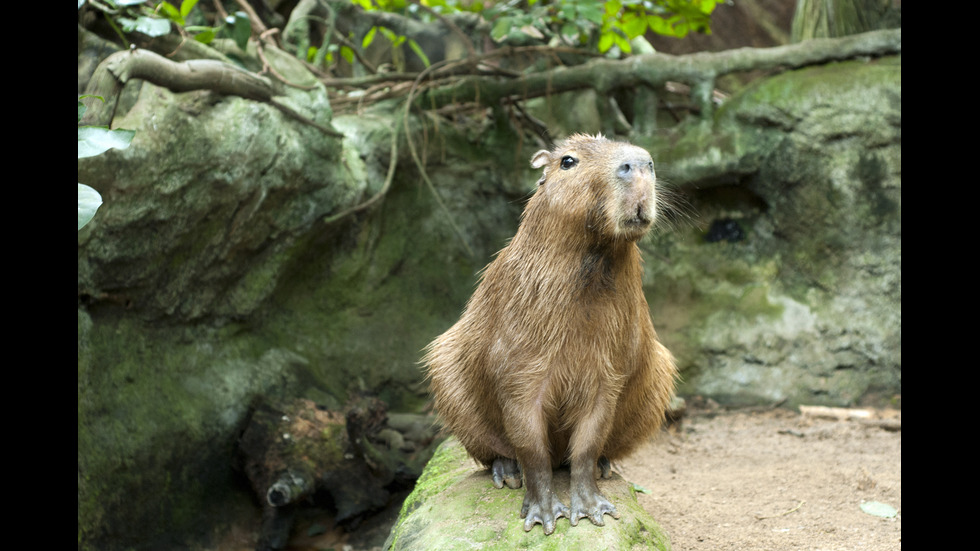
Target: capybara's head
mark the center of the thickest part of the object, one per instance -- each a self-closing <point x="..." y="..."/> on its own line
<point x="608" y="186"/>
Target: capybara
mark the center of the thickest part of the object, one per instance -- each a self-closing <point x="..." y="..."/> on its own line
<point x="555" y="359"/>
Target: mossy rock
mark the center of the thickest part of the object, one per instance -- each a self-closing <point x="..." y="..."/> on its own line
<point x="454" y="506"/>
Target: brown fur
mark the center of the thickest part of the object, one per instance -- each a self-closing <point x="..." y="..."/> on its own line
<point x="555" y="358"/>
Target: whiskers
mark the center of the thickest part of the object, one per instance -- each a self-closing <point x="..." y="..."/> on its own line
<point x="674" y="209"/>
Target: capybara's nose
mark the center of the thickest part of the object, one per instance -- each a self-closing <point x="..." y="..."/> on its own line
<point x="635" y="168"/>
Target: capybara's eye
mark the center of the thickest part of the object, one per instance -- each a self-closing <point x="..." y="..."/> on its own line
<point x="568" y="162"/>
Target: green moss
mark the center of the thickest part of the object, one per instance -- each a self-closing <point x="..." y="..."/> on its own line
<point x="454" y="506"/>
<point x="156" y="416"/>
<point x="755" y="302"/>
<point x="439" y="474"/>
<point x="804" y="91"/>
<point x="330" y="447"/>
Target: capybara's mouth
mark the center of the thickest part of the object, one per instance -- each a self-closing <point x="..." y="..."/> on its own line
<point x="640" y="221"/>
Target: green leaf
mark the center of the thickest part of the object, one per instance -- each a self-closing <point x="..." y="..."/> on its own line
<point x="418" y="51"/>
<point x="606" y="41"/>
<point x="94" y="140"/>
<point x="204" y="34"/>
<point x="640" y="489"/>
<point x="569" y="29"/>
<point x="369" y="37"/>
<point x="612" y="8"/>
<point x="395" y="39"/>
<point x="240" y="28"/>
<point x="624" y="45"/>
<point x="659" y="25"/>
<point x="707" y="6"/>
<point x="501" y="28"/>
<point x="89" y="201"/>
<point x="311" y="54"/>
<point x="568" y="12"/>
<point x="186" y="6"/>
<point x="388" y="33"/>
<point x="879" y="509"/>
<point x="347" y="54"/>
<point x="171" y="12"/>
<point x="634" y="25"/>
<point x="150" y="26"/>
<point x="590" y="11"/>
<point x="681" y="29"/>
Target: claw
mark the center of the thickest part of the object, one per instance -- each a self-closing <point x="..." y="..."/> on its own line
<point x="545" y="512"/>
<point x="605" y="469"/>
<point x="591" y="505"/>
<point x="506" y="471"/>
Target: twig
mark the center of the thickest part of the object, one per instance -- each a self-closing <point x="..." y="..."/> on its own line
<point x="305" y="120"/>
<point x="471" y="51"/>
<point x="392" y="163"/>
<point x="268" y="68"/>
<point x="450" y="68"/>
<point x="257" y="23"/>
<point x="784" y="513"/>
<point x="840" y="414"/>
<point x="418" y="161"/>
<point x="357" y="51"/>
<point x="220" y="10"/>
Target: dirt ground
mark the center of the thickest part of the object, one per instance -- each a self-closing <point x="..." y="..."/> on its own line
<point x="773" y="480"/>
<point x="748" y="480"/>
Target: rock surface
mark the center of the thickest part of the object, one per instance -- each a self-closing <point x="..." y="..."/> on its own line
<point x="789" y="290"/>
<point x="454" y="506"/>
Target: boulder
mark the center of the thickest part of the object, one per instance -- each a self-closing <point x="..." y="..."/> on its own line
<point x="454" y="506"/>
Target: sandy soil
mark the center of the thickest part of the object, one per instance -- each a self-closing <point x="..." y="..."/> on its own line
<point x="771" y="480"/>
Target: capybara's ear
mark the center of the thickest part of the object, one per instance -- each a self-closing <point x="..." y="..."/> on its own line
<point x="540" y="158"/>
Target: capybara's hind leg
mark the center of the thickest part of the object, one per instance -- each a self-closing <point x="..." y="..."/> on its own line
<point x="506" y="471"/>
<point x="605" y="469"/>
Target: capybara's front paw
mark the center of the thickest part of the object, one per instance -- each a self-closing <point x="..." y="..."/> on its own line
<point x="544" y="511"/>
<point x="591" y="505"/>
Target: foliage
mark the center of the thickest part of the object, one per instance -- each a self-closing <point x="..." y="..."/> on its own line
<point x="607" y="27"/>
<point x="594" y="24"/>
<point x="92" y="141"/>
<point x="137" y="16"/>
<point x="396" y="42"/>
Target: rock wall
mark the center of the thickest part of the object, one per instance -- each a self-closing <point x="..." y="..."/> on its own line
<point x="787" y="286"/>
<point x="213" y="276"/>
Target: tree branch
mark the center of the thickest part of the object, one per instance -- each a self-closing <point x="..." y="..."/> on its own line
<point x="698" y="70"/>
<point x="195" y="74"/>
